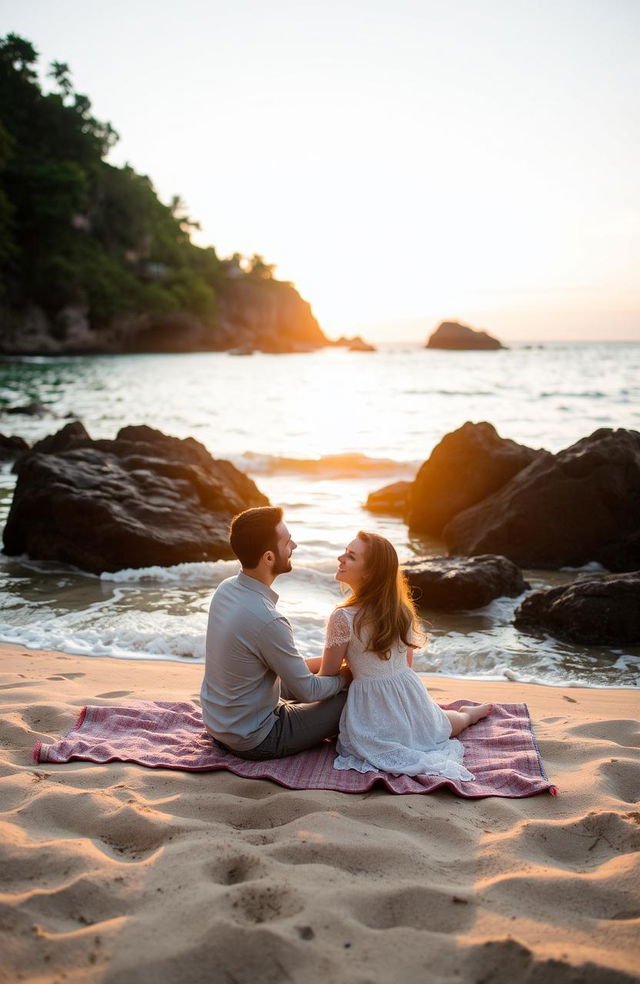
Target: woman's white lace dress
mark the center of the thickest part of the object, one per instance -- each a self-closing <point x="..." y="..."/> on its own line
<point x="389" y="722"/>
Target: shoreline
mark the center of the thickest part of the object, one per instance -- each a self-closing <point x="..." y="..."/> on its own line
<point x="118" y="872"/>
<point x="187" y="661"/>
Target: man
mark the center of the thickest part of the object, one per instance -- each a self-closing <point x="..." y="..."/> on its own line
<point x="250" y="651"/>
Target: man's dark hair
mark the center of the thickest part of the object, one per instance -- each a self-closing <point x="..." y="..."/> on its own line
<point x="252" y="532"/>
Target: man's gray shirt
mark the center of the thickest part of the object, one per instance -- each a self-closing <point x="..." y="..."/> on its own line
<point x="250" y="648"/>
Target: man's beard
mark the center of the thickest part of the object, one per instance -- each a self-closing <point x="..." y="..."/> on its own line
<point x="282" y="564"/>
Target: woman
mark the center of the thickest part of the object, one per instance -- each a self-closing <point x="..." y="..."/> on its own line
<point x="389" y="722"/>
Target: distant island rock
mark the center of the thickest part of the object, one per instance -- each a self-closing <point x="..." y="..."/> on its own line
<point x="141" y="500"/>
<point x="355" y="344"/>
<point x="453" y="335"/>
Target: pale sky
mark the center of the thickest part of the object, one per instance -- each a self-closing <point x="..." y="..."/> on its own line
<point x="402" y="162"/>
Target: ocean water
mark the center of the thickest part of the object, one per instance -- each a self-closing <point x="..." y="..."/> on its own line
<point x="317" y="432"/>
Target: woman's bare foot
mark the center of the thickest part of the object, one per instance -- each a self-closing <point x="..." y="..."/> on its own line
<point x="467" y="715"/>
<point x="476" y="712"/>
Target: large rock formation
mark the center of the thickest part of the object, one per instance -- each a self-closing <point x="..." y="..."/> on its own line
<point x="465" y="467"/>
<point x="142" y="499"/>
<point x="580" y="505"/>
<point x="455" y="583"/>
<point x="595" y="611"/>
<point x="453" y="335"/>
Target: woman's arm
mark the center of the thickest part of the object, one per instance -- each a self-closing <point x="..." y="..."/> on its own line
<point x="336" y="643"/>
<point x="332" y="657"/>
<point x="313" y="663"/>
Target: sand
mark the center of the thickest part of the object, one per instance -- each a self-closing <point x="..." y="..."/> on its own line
<point x="118" y="873"/>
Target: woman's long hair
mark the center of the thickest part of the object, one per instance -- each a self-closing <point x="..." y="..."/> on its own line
<point x="383" y="599"/>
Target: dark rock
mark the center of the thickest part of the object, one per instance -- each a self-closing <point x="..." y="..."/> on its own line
<point x="142" y="499"/>
<point x="69" y="437"/>
<point x="12" y="447"/>
<point x="454" y="583"/>
<point x="453" y="335"/>
<point x="580" y="505"/>
<point x="465" y="467"/>
<point x="596" y="610"/>
<point x="33" y="409"/>
<point x="390" y="500"/>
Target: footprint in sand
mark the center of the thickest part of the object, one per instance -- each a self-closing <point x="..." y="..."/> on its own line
<point x="415" y="906"/>
<point x="65" y="676"/>
<point x="115" y="693"/>
<point x="83" y="901"/>
<point x="27" y="683"/>
<point x="621" y="779"/>
<point x="508" y="959"/>
<point x="265" y="903"/>
<point x="234" y="871"/>
<point x="622" y="732"/>
<point x="578" y="844"/>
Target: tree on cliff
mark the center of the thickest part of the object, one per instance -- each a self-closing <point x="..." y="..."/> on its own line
<point x="79" y="235"/>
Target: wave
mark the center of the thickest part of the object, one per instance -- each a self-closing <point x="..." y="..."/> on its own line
<point x="164" y="637"/>
<point x="350" y="464"/>
<point x="591" y="567"/>
<point x="204" y="572"/>
<point x="587" y="394"/>
<point x="448" y="392"/>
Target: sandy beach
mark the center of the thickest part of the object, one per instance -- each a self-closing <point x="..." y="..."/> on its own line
<point x="119" y="873"/>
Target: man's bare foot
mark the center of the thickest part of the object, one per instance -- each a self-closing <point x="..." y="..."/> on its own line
<point x="476" y="712"/>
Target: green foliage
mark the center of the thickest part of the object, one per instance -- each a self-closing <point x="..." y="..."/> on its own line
<point x="76" y="230"/>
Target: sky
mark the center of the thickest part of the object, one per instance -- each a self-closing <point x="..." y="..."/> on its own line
<point x="402" y="163"/>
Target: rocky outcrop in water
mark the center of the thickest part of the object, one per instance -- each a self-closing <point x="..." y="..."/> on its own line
<point x="32" y="409"/>
<point x="12" y="447"/>
<point x="391" y="500"/>
<point x="140" y="500"/>
<point x="466" y="466"/>
<point x="456" y="583"/>
<point x="598" y="610"/>
<point x="453" y="335"/>
<point x="567" y="509"/>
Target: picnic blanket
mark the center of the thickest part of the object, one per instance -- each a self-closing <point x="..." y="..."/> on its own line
<point x="500" y="751"/>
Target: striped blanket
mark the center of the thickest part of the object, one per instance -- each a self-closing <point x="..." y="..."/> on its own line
<point x="500" y="751"/>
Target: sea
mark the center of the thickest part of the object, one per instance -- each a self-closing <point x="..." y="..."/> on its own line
<point x="317" y="432"/>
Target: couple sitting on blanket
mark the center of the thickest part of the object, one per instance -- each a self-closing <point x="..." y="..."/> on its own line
<point x="262" y="700"/>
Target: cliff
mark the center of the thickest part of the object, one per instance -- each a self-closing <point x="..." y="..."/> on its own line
<point x="269" y="316"/>
<point x="92" y="261"/>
